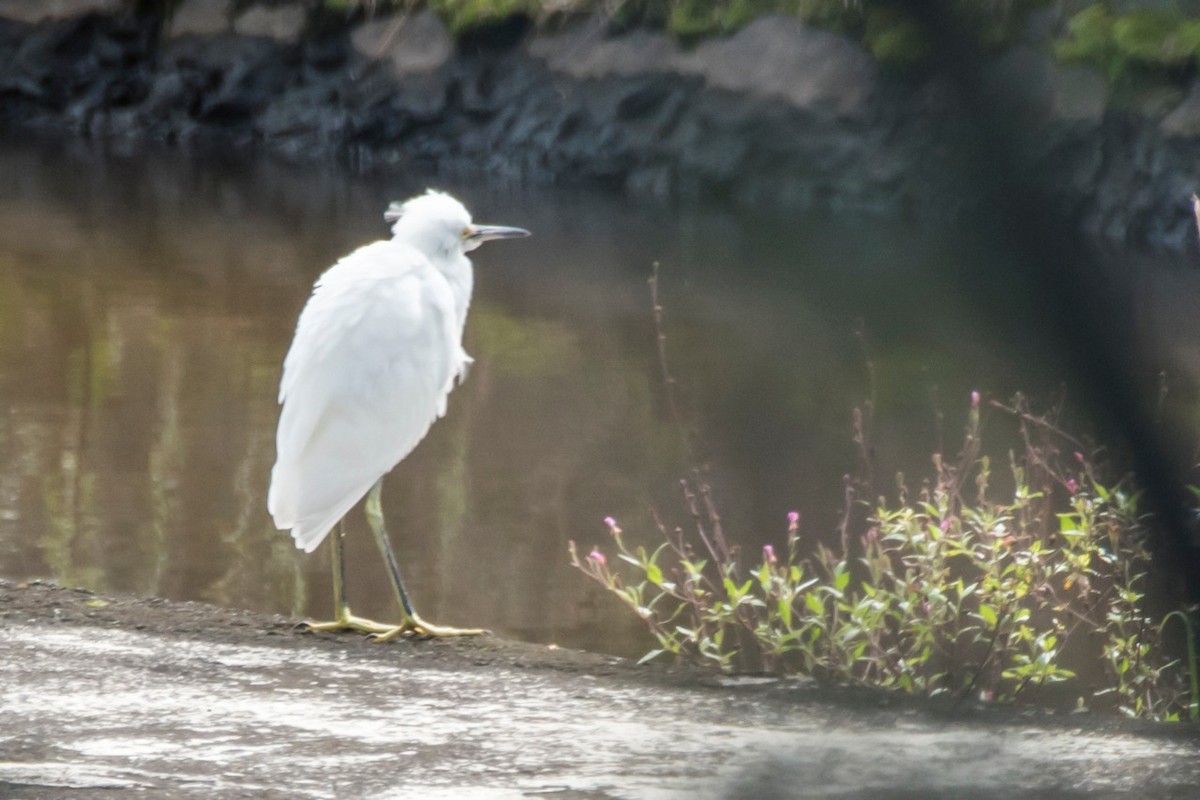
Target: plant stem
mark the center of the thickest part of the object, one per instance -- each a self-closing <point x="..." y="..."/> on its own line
<point x="1193" y="672"/>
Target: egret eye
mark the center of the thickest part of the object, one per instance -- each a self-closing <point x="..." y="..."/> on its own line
<point x="466" y="232"/>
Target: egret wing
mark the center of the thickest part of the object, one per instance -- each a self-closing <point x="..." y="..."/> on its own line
<point x="374" y="356"/>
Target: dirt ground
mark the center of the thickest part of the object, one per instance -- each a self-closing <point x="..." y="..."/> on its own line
<point x="112" y="697"/>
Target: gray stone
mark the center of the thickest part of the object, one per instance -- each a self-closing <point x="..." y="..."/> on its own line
<point x="1155" y="101"/>
<point x="584" y="52"/>
<point x="414" y="43"/>
<point x="1032" y="82"/>
<point x="1078" y="93"/>
<point x="782" y="58"/>
<point x="201" y="18"/>
<point x="1020" y="78"/>
<point x="1184" y="121"/>
<point x="38" y="10"/>
<point x="281" y="23"/>
<point x="1042" y="25"/>
<point x="774" y="57"/>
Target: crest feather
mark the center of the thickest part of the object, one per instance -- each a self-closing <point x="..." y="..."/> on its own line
<point x="397" y="208"/>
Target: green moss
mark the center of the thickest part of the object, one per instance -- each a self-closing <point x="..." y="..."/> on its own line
<point x="464" y="15"/>
<point x="1150" y="43"/>
<point x="1153" y="36"/>
<point x="886" y="29"/>
<point x="1089" y="37"/>
<point x="894" y="38"/>
<point x="690" y="20"/>
<point x="824" y="14"/>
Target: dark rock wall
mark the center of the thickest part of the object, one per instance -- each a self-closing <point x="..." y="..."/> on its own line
<point x="834" y="131"/>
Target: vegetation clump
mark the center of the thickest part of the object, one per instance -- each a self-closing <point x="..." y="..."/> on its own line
<point x="1145" y="43"/>
<point x="887" y="30"/>
<point x="955" y="588"/>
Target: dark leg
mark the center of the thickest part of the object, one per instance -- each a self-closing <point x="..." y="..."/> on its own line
<point x="343" y="620"/>
<point x="375" y="518"/>
<point x="412" y="623"/>
<point x="337" y="557"/>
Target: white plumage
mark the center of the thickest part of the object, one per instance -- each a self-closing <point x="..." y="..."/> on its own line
<point x="374" y="357"/>
<point x="376" y="352"/>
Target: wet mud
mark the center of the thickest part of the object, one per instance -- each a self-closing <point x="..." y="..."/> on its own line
<point x="117" y="696"/>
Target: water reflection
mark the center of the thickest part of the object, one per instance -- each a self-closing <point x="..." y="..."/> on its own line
<point x="146" y="302"/>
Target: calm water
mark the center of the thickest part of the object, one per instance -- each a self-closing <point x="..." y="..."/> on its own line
<point x="147" y="300"/>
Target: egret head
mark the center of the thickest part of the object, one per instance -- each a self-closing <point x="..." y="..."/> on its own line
<point x="439" y="225"/>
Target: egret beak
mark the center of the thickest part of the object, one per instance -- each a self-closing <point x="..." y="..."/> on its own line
<point x="478" y="234"/>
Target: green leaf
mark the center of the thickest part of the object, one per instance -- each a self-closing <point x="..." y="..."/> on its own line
<point x="841" y="578"/>
<point x="654" y="574"/>
<point x="814" y="603"/>
<point x="653" y="654"/>
<point x="988" y="615"/>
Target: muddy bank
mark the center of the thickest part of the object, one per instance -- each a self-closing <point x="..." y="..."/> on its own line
<point x="108" y="696"/>
<point x="779" y="116"/>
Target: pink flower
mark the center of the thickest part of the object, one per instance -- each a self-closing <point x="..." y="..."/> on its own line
<point x="974" y="399"/>
<point x="793" y="517"/>
<point x="945" y="524"/>
<point x="597" y="557"/>
<point x="613" y="528"/>
<point x="769" y="554"/>
<point x="1079" y="456"/>
<point x="1072" y="486"/>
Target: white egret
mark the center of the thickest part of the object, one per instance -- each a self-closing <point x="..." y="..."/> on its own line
<point x="378" y="347"/>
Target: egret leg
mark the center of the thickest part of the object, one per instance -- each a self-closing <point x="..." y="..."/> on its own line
<point x="343" y="620"/>
<point x="412" y="623"/>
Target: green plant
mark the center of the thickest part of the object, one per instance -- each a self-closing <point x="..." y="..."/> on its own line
<point x="887" y="30"/>
<point x="955" y="588"/>
<point x="894" y="38"/>
<point x="1155" y="36"/>
<point x="459" y="15"/>
<point x="1149" y="41"/>
<point x="463" y="15"/>
<point x="1090" y="40"/>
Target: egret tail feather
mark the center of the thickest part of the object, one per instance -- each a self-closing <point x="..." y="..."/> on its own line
<point x="308" y="532"/>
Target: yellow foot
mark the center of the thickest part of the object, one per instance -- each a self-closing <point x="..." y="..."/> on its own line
<point x="415" y="626"/>
<point x="347" y="622"/>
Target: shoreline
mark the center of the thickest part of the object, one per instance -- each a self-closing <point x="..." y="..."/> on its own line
<point x="181" y="700"/>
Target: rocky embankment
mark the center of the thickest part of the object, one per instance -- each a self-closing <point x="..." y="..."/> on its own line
<point x="780" y="115"/>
